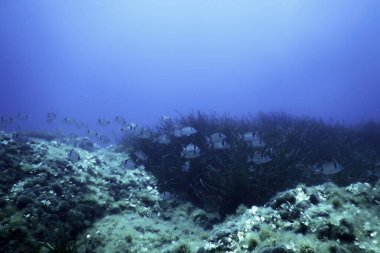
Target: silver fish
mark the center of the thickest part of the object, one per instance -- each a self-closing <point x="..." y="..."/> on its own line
<point x="187" y="131"/>
<point x="103" y="122"/>
<point x="143" y="134"/>
<point x="51" y="116"/>
<point x="163" y="139"/>
<point x="91" y="133"/>
<point x="69" y="121"/>
<point x="6" y="120"/>
<point x="253" y="139"/>
<point x="73" y="136"/>
<point x="165" y="118"/>
<point x="248" y="136"/>
<point x="129" y="164"/>
<point x="126" y="130"/>
<point x="120" y="120"/>
<point x="22" y="116"/>
<point x="73" y="156"/>
<point x="259" y="159"/>
<point x="191" y="151"/>
<point x="166" y="196"/>
<point x="330" y="168"/>
<point x="256" y="143"/>
<point x="141" y="155"/>
<point x="177" y="133"/>
<point x="80" y="125"/>
<point x="132" y="125"/>
<point x="104" y="139"/>
<point x="376" y="170"/>
<point x="217" y="137"/>
<point x="130" y="128"/>
<point x="185" y="167"/>
<point x="220" y="145"/>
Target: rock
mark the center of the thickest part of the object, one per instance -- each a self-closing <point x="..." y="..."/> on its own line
<point x="276" y="249"/>
<point x="57" y="189"/>
<point x="3" y="202"/>
<point x="343" y="232"/>
<point x="41" y="135"/>
<point x="22" y="201"/>
<point x="86" y="144"/>
<point x="63" y="207"/>
<point x="283" y="198"/>
<point x="314" y="199"/>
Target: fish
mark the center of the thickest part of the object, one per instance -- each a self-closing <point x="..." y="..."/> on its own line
<point x="51" y="116"/>
<point x="6" y="120"/>
<point x="69" y="121"/>
<point x="177" y="133"/>
<point x="80" y="125"/>
<point x="141" y="155"/>
<point x="103" y="122"/>
<point x="166" y="196"/>
<point x="104" y="139"/>
<point x="259" y="158"/>
<point x="143" y="134"/>
<point x="163" y="139"/>
<point x="248" y="136"/>
<point x="125" y="129"/>
<point x="120" y="119"/>
<point x="91" y="133"/>
<point x="217" y="137"/>
<point x="165" y="118"/>
<point x="131" y="127"/>
<point x="187" y="131"/>
<point x="73" y="136"/>
<point x="191" y="151"/>
<point x="22" y="116"/>
<point x="129" y="164"/>
<point x="376" y="170"/>
<point x="185" y="167"/>
<point x="330" y="168"/>
<point x="220" y="145"/>
<point x="257" y="142"/>
<point x="73" y="156"/>
<point x="253" y="139"/>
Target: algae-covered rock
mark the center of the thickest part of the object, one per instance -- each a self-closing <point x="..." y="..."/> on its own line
<point x="106" y="208"/>
<point x="277" y="249"/>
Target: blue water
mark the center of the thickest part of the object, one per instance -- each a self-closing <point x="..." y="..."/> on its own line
<point x="144" y="59"/>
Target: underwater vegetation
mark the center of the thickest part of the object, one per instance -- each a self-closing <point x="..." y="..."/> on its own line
<point x="200" y="183"/>
<point x="61" y="243"/>
<point x="221" y="162"/>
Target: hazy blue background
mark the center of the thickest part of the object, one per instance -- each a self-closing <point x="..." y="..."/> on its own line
<point x="142" y="59"/>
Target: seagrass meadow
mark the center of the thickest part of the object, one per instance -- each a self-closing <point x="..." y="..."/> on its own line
<point x="297" y="147"/>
